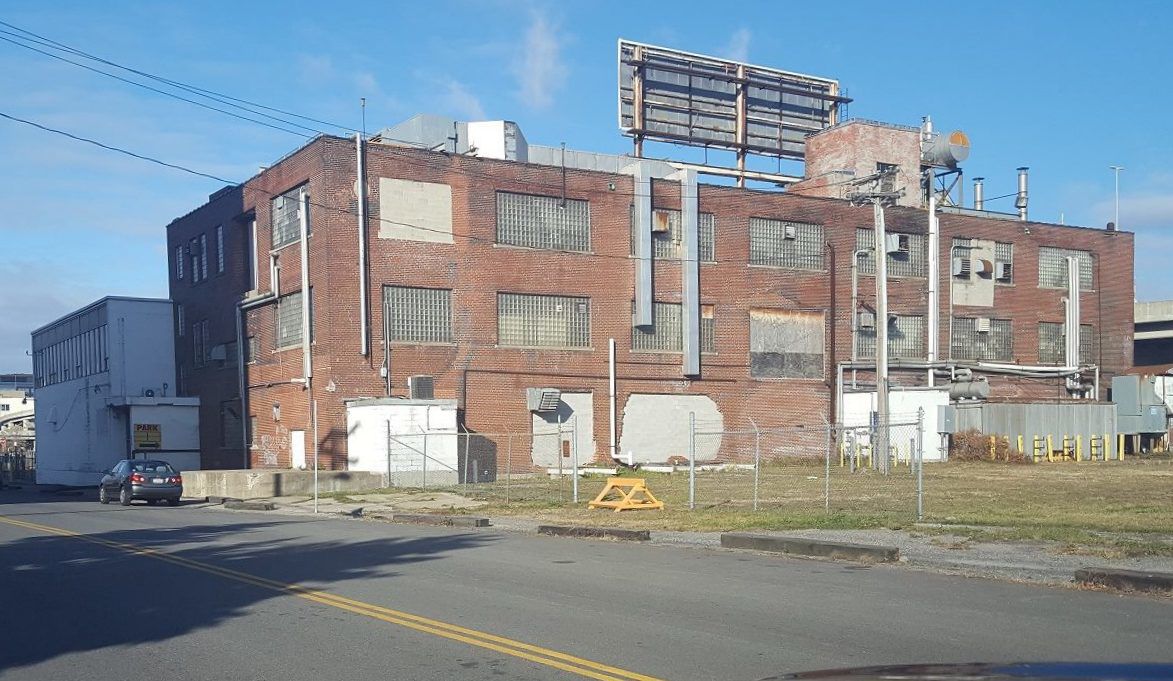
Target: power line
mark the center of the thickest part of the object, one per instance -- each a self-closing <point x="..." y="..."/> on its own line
<point x="336" y="209"/>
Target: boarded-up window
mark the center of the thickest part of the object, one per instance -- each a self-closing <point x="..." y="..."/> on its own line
<point x="543" y="222"/>
<point x="525" y="320"/>
<point x="289" y="320"/>
<point x="418" y="315"/>
<point x="1052" y="344"/>
<point x="782" y="243"/>
<point x="982" y="338"/>
<point x="665" y="334"/>
<point x="906" y="338"/>
<point x="786" y="344"/>
<point x="667" y="235"/>
<point x="285" y="217"/>
<point x="906" y="253"/>
<point x="1053" y="267"/>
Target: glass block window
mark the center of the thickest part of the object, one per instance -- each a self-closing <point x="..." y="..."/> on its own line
<point x="906" y="338"/>
<point x="285" y="217"/>
<point x="219" y="248"/>
<point x="1004" y="253"/>
<point x="908" y="260"/>
<point x="288" y="324"/>
<point x="666" y="332"/>
<point x="1052" y="342"/>
<point x="525" y="320"/>
<point x="200" y="348"/>
<point x="786" y="344"/>
<point x="666" y="244"/>
<point x="203" y="256"/>
<point x="418" y="315"/>
<point x="1053" y="267"/>
<point x="782" y="243"/>
<point x="543" y="222"/>
<point x="980" y="338"/>
<point x="252" y="349"/>
<point x="179" y="262"/>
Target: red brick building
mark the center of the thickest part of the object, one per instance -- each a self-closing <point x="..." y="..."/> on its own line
<point x="494" y="276"/>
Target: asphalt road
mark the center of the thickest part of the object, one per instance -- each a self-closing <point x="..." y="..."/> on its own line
<point x="90" y="591"/>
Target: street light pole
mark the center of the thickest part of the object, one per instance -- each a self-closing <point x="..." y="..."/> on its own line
<point x="1116" y="170"/>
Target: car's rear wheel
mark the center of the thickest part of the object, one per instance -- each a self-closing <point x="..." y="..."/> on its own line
<point x="173" y="502"/>
<point x="124" y="496"/>
<point x="103" y="496"/>
<point x="151" y="502"/>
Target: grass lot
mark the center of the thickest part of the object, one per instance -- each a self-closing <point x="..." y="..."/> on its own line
<point x="1123" y="508"/>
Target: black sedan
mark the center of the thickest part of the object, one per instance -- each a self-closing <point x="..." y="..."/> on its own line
<point x="139" y="479"/>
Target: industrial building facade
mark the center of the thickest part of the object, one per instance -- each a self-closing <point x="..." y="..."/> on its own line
<point x="496" y="275"/>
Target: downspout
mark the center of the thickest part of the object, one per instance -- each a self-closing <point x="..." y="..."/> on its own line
<point x="361" y="186"/>
<point x="306" y="354"/>
<point x="611" y="393"/>
<point x="242" y="385"/>
<point x="934" y="321"/>
<point x="834" y="325"/>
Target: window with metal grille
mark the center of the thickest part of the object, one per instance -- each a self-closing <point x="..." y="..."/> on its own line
<point x="179" y="262"/>
<point x="525" y="320"/>
<point x="219" y="248"/>
<point x="782" y="243"/>
<point x="180" y="321"/>
<point x="199" y="340"/>
<point x="786" y="344"/>
<point x="666" y="244"/>
<point x="972" y="341"/>
<point x="1004" y="263"/>
<point x="203" y="256"/>
<point x="288" y="326"/>
<point x="285" y="216"/>
<point x="1053" y="267"/>
<point x="906" y="338"/>
<point x="543" y="222"/>
<point x="251" y="349"/>
<point x="1052" y="345"/>
<point x="666" y="332"/>
<point x="907" y="258"/>
<point x="194" y="249"/>
<point x="418" y="315"/>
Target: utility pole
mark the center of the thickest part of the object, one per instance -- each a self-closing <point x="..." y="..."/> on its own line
<point x="869" y="192"/>
<point x="1116" y="170"/>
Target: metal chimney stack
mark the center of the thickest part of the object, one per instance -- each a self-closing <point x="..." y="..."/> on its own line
<point x="979" y="194"/>
<point x="1021" y="200"/>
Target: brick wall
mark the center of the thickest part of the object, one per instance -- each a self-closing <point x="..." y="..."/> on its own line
<point x="490" y="381"/>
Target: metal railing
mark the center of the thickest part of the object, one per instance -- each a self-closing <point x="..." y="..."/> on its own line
<point x="18" y="466"/>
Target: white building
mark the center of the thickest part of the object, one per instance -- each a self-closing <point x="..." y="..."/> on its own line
<point x="105" y="385"/>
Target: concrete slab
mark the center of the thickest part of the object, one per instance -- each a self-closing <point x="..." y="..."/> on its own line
<point x="595" y="532"/>
<point x="1126" y="580"/>
<point x="814" y="548"/>
<point x="433" y="519"/>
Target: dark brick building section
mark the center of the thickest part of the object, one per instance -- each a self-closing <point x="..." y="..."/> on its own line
<point x="489" y="381"/>
<point x="214" y="237"/>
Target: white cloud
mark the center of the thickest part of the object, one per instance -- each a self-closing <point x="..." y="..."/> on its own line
<point x="461" y="102"/>
<point x="538" y="66"/>
<point x="737" y="48"/>
<point x="315" y="68"/>
<point x="1149" y="214"/>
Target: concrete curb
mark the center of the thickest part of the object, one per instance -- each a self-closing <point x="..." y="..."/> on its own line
<point x="220" y="500"/>
<point x="1125" y="580"/>
<point x="814" y="548"/>
<point x="433" y="519"/>
<point x="595" y="532"/>
<point x="236" y="505"/>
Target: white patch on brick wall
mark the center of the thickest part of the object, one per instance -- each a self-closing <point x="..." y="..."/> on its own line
<point x="655" y="427"/>
<point x="574" y="409"/>
<point x="415" y="211"/>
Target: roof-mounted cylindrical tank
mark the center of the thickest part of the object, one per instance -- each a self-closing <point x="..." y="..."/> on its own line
<point x="946" y="150"/>
<point x="979" y="193"/>
<point x="1020" y="200"/>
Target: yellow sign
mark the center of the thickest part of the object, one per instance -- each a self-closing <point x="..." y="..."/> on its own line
<point x="148" y="436"/>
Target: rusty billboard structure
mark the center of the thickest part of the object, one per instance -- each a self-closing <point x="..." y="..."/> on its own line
<point x="673" y="96"/>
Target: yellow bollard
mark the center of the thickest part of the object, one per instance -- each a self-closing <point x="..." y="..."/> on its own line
<point x="1107" y="445"/>
<point x="1020" y="445"/>
<point x="1050" y="448"/>
<point x="1120" y="447"/>
<point x="1078" y="448"/>
<point x="993" y="448"/>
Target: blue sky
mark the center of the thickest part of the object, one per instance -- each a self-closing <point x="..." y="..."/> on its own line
<point x="1067" y="88"/>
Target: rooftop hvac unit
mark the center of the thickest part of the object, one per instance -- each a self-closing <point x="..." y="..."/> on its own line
<point x="867" y="320"/>
<point x="789" y="231"/>
<point x="1003" y="271"/>
<point x="542" y="399"/>
<point x="962" y="267"/>
<point x="421" y="387"/>
<point x="981" y="325"/>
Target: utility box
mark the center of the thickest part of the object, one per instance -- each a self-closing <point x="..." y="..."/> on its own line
<point x="1140" y="408"/>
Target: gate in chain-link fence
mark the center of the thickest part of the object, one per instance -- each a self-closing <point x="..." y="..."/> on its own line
<point x="810" y="469"/>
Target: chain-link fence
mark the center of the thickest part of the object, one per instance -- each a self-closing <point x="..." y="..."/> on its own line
<point x="18" y="466"/>
<point x="800" y="469"/>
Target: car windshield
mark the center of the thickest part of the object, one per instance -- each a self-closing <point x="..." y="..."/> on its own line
<point x="154" y="467"/>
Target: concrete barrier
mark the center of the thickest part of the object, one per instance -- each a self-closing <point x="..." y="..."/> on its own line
<point x="433" y="519"/>
<point x="1126" y="580"/>
<point x="814" y="548"/>
<point x="261" y="483"/>
<point x="237" y="505"/>
<point x="595" y="532"/>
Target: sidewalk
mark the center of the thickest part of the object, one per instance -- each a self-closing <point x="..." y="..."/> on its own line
<point x="1036" y="562"/>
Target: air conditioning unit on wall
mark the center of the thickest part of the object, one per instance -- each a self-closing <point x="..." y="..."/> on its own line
<point x="542" y="399"/>
<point x="867" y="320"/>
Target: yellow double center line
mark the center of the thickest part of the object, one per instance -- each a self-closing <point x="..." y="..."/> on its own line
<point x="481" y="639"/>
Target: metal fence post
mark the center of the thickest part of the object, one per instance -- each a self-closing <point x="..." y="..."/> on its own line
<point x="757" y="460"/>
<point x="462" y="464"/>
<point x="508" y="463"/>
<point x="424" y="484"/>
<point x="388" y="452"/>
<point x="691" y="460"/>
<point x="833" y="436"/>
<point x="920" y="464"/>
<point x="558" y="454"/>
<point x="574" y="459"/>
